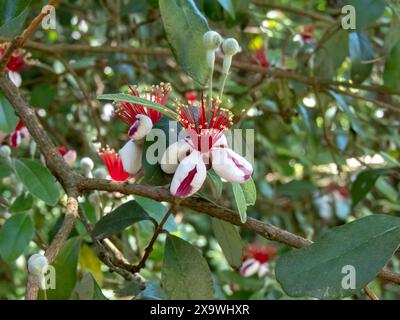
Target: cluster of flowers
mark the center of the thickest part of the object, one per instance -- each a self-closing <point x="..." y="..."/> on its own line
<point x="201" y="144"/>
<point x="256" y="258"/>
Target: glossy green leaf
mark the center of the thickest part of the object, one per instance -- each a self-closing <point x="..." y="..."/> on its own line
<point x="119" y="219"/>
<point x="249" y="191"/>
<point x="240" y="201"/>
<point x="125" y="97"/>
<point x="157" y="211"/>
<point x="185" y="273"/>
<point x="8" y="118"/>
<point x="361" y="53"/>
<point x="13" y="14"/>
<point x="23" y="202"/>
<point x="15" y="236"/>
<point x="185" y="27"/>
<point x="364" y="183"/>
<point x="332" y="54"/>
<point x="367" y="11"/>
<point x="230" y="241"/>
<point x="319" y="270"/>
<point x="38" y="180"/>
<point x="88" y="289"/>
<point x="228" y="7"/>
<point x="66" y="268"/>
<point x="392" y="69"/>
<point x="393" y="36"/>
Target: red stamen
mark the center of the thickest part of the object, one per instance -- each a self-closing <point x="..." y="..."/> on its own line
<point x="113" y="164"/>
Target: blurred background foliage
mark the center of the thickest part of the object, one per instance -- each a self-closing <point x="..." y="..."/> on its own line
<point x="312" y="138"/>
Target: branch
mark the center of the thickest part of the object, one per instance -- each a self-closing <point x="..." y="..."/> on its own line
<point x="266" y="230"/>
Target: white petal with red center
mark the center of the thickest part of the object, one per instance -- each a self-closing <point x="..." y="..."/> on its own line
<point x="173" y="155"/>
<point x="15" y="77"/>
<point x="131" y="156"/>
<point x="249" y="267"/>
<point x="189" y="176"/>
<point x="140" y="128"/>
<point x="15" y="139"/>
<point x="230" y="166"/>
<point x="70" y="157"/>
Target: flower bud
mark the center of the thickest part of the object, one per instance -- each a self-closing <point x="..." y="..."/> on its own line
<point x="212" y="40"/>
<point x="5" y="151"/>
<point x="87" y="166"/>
<point x="100" y="173"/>
<point x="230" y="47"/>
<point x="38" y="264"/>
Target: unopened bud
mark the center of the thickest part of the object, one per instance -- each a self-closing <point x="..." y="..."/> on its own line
<point x="100" y="173"/>
<point x="212" y="40"/>
<point x="87" y="166"/>
<point x="230" y="47"/>
<point x="5" y="151"/>
<point x="38" y="264"/>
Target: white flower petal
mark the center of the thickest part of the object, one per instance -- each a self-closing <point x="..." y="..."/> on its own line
<point x="221" y="142"/>
<point x="70" y="157"/>
<point x="189" y="176"/>
<point x="131" y="157"/>
<point x="15" y="77"/>
<point x="263" y="270"/>
<point x="230" y="166"/>
<point x="175" y="152"/>
<point x="249" y="267"/>
<point x="140" y="128"/>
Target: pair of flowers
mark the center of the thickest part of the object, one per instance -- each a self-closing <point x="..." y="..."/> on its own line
<point x="202" y="144"/>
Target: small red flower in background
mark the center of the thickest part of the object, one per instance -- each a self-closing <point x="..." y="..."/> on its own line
<point x="255" y="259"/>
<point x="338" y="191"/>
<point x="20" y="133"/>
<point x="114" y="164"/>
<point x="68" y="155"/>
<point x="19" y="61"/>
<point x="261" y="58"/>
<point x="307" y="33"/>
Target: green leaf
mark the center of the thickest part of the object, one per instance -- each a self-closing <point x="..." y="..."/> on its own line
<point x="349" y="113"/>
<point x="392" y="69"/>
<point x="393" y="36"/>
<point x="249" y="191"/>
<point x="125" y="97"/>
<point x="38" y="180"/>
<point x="88" y="289"/>
<point x="119" y="219"/>
<point x="360" y="53"/>
<point x="8" y="118"/>
<point x="317" y="270"/>
<point x="230" y="241"/>
<point x="228" y="7"/>
<point x="66" y="267"/>
<point x="12" y="16"/>
<point x="185" y="273"/>
<point x="367" y="11"/>
<point x="153" y="148"/>
<point x="23" y="202"/>
<point x="331" y="55"/>
<point x="364" y="182"/>
<point x="240" y="200"/>
<point x="15" y="236"/>
<point x="43" y="95"/>
<point x="212" y="187"/>
<point x="185" y="27"/>
<point x="157" y="211"/>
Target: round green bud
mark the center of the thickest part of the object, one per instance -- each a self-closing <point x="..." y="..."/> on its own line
<point x="212" y="40"/>
<point x="230" y="46"/>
